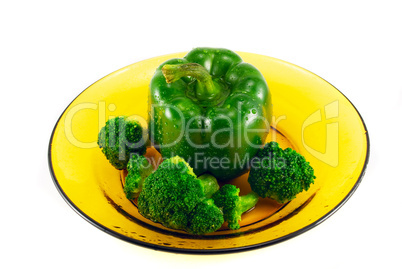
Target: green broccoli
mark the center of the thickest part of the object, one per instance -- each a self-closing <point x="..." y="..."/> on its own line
<point x="233" y="205"/>
<point x="138" y="169"/>
<point x="275" y="173"/>
<point x="205" y="218"/>
<point x="279" y="174"/>
<point x="173" y="196"/>
<point x="119" y="138"/>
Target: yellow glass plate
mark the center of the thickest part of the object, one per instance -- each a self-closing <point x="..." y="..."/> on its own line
<point x="309" y="115"/>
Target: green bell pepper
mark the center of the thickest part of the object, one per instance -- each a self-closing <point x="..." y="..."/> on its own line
<point x="210" y="108"/>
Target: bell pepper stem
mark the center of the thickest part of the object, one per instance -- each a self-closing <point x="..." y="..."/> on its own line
<point x="206" y="90"/>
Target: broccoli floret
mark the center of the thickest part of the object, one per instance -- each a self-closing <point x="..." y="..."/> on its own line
<point x="279" y="174"/>
<point x="138" y="169"/>
<point x="119" y="138"/>
<point x="275" y="173"/>
<point x="233" y="205"/>
<point x="205" y="218"/>
<point x="173" y="196"/>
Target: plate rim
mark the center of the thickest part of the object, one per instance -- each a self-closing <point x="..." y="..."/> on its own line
<point x="207" y="251"/>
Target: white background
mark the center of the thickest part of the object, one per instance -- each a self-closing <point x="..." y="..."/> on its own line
<point x="52" y="50"/>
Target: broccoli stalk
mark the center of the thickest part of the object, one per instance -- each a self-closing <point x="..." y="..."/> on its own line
<point x="173" y="196"/>
<point x="209" y="184"/>
<point x="233" y="205"/>
<point x="279" y="174"/>
<point x="138" y="169"/>
<point x="119" y="139"/>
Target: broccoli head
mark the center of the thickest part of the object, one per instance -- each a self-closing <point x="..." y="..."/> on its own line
<point x="233" y="205"/>
<point x="205" y="218"/>
<point x="138" y="169"/>
<point x="173" y="196"/>
<point x="279" y="174"/>
<point x="119" y="138"/>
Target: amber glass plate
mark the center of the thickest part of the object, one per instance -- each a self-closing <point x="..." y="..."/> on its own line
<point x="309" y="115"/>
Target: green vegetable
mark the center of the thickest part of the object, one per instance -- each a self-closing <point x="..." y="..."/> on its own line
<point x="275" y="173"/>
<point x="205" y="218"/>
<point x="279" y="174"/>
<point x="173" y="196"/>
<point x="233" y="205"/>
<point x="119" y="138"/>
<point x="210" y="108"/>
<point x="138" y="169"/>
